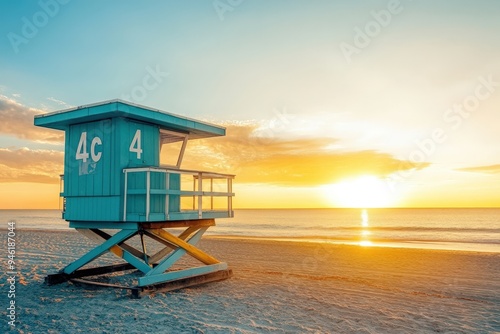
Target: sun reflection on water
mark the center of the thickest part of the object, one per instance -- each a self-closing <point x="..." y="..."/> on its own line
<point x="364" y="218"/>
<point x="364" y="231"/>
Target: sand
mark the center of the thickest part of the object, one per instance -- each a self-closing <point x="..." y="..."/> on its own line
<point x="281" y="287"/>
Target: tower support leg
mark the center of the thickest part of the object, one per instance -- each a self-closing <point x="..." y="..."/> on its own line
<point x="157" y="268"/>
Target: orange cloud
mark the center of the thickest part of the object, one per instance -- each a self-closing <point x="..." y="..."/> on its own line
<point x="17" y="120"/>
<point x="25" y="165"/>
<point x="290" y="162"/>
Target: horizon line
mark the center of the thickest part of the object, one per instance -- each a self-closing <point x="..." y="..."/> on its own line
<point x="319" y="208"/>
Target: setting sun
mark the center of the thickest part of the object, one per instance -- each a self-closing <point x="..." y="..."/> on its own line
<point x="363" y="192"/>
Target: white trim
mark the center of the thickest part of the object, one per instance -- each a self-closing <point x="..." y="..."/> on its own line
<point x="167" y="197"/>
<point x="125" y="196"/>
<point x="200" y="197"/>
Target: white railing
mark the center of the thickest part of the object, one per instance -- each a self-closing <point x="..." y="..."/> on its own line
<point x="197" y="192"/>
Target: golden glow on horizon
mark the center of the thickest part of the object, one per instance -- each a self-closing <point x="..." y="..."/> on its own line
<point x="29" y="196"/>
<point x="363" y="192"/>
<point x="365" y="243"/>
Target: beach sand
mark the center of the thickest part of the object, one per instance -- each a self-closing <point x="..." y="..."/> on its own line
<point x="282" y="287"/>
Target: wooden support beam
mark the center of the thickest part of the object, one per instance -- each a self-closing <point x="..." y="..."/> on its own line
<point x="90" y="234"/>
<point x="122" y="250"/>
<point x="159" y="255"/>
<point x="190" y="249"/>
<point x="62" y="277"/>
<point x="95" y="283"/>
<point x="180" y="274"/>
<point x="163" y="252"/>
<point x="175" y="255"/>
<point x="190" y="230"/>
<point x="220" y="275"/>
<point x="99" y="250"/>
<point x="105" y="236"/>
<point x="160" y="239"/>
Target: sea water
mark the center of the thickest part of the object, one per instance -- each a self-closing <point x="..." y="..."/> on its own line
<point x="455" y="229"/>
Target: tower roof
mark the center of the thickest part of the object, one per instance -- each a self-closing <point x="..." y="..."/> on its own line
<point x="62" y="119"/>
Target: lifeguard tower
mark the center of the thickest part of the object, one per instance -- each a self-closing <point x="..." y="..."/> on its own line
<point x="116" y="188"/>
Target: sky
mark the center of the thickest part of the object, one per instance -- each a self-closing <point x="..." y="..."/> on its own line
<point x="326" y="103"/>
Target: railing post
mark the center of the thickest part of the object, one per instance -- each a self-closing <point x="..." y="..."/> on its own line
<point x="148" y="189"/>
<point x="125" y="196"/>
<point x="212" y="195"/>
<point x="167" y="197"/>
<point x="200" y="198"/>
<point x="230" y="196"/>
<point x="194" y="189"/>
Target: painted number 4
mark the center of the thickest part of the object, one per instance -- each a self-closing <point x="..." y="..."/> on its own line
<point x="81" y="151"/>
<point x="135" y="145"/>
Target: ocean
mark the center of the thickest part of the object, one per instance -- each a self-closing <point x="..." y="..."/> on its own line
<point x="452" y="229"/>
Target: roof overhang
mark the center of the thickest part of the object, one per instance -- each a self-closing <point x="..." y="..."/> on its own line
<point x="61" y="120"/>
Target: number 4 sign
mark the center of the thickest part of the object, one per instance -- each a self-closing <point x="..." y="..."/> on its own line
<point x="135" y="145"/>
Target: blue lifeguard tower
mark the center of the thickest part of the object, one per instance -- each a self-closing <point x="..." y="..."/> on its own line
<point x="115" y="179"/>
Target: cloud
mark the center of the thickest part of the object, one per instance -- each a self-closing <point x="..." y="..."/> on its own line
<point x="17" y="120"/>
<point x="292" y="162"/>
<point x="25" y="165"/>
<point x="59" y="102"/>
<point x="491" y="169"/>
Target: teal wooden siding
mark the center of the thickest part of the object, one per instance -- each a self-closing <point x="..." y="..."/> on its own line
<point x="101" y="208"/>
<point x="88" y="171"/>
<point x="88" y="175"/>
<point x="150" y="141"/>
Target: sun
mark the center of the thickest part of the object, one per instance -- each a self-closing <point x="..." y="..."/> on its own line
<point x="362" y="192"/>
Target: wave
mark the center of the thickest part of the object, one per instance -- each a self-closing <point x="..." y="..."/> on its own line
<point x="413" y="229"/>
<point x="357" y="238"/>
<point x="270" y="227"/>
